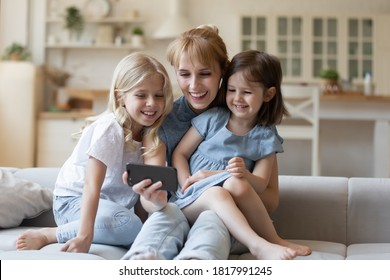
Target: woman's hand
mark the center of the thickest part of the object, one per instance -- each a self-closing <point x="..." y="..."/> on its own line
<point x="236" y="166"/>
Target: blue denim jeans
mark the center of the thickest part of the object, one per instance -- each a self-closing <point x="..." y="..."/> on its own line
<point x="167" y="235"/>
<point x="114" y="224"/>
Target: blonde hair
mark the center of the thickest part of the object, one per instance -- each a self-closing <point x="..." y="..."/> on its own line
<point x="129" y="73"/>
<point x="202" y="44"/>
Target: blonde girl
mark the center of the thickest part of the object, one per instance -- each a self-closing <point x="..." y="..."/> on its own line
<point x="92" y="204"/>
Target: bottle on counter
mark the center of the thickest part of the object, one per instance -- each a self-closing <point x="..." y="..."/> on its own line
<point x="368" y="86"/>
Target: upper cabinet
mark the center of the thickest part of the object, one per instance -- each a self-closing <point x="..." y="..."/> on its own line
<point x="307" y="44"/>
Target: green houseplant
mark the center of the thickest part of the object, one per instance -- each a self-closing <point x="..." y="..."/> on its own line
<point x="74" y="21"/>
<point x="329" y="74"/>
<point x="330" y="81"/>
<point x="138" y="31"/>
<point x="16" y="52"/>
<point x="137" y="38"/>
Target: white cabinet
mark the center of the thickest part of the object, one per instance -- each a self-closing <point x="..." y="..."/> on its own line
<point x="305" y="44"/>
<point x="19" y="83"/>
<point x="56" y="139"/>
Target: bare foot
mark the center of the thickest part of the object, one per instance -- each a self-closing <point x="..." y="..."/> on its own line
<point x="270" y="251"/>
<point x="301" y="250"/>
<point x="35" y="239"/>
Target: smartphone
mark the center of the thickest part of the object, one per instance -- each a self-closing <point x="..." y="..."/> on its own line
<point x="166" y="174"/>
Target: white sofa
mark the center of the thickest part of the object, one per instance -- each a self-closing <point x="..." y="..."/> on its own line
<point x="340" y="218"/>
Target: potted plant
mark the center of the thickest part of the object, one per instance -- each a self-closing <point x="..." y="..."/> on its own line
<point x="74" y="22"/>
<point x="137" y="38"/>
<point x="16" y="52"/>
<point x="330" y="81"/>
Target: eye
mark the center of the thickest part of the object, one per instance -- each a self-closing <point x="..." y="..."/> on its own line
<point x="231" y="89"/>
<point x="139" y="95"/>
<point x="183" y="74"/>
<point x="205" y="74"/>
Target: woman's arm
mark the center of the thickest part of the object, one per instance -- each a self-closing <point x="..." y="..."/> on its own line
<point x="270" y="196"/>
<point x="264" y="178"/>
<point x="94" y="178"/>
<point x="182" y="153"/>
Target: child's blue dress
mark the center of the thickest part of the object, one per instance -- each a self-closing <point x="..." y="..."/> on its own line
<point x="220" y="145"/>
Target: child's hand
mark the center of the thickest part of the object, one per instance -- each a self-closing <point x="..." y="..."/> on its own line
<point x="201" y="174"/>
<point x="236" y="166"/>
<point x="76" y="245"/>
<point x="151" y="192"/>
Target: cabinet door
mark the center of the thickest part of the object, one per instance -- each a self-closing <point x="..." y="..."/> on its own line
<point x="18" y="81"/>
<point x="56" y="140"/>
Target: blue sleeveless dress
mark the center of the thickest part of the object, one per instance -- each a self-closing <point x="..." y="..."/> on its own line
<point x="219" y="146"/>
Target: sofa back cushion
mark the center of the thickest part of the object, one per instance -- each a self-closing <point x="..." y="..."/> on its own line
<point x="313" y="208"/>
<point x="369" y="210"/>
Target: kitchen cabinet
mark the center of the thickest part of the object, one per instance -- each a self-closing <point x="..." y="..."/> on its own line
<point x="20" y="82"/>
<point x="305" y="44"/>
<point x="57" y="136"/>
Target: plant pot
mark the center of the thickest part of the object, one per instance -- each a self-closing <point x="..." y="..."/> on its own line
<point x="137" y="41"/>
<point x="330" y="86"/>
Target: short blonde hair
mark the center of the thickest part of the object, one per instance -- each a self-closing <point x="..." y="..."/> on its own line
<point x="202" y="44"/>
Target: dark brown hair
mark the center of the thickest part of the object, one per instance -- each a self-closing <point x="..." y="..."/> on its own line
<point x="263" y="68"/>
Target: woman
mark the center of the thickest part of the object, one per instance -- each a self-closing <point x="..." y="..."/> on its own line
<point x="200" y="58"/>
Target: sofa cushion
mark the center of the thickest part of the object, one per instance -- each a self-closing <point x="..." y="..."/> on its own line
<point x="371" y="251"/>
<point x="312" y="208"/>
<point x="20" y="199"/>
<point x="40" y="255"/>
<point x="368" y="210"/>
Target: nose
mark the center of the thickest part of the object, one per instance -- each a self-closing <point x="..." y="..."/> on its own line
<point x="237" y="96"/>
<point x="193" y="82"/>
<point x="150" y="101"/>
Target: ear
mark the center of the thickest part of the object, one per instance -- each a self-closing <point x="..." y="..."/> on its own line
<point x="118" y="100"/>
<point x="269" y="94"/>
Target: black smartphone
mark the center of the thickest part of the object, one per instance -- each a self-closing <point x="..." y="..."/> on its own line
<point x="166" y="174"/>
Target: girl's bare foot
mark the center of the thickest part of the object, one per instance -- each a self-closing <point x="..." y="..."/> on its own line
<point x="35" y="239"/>
<point x="270" y="251"/>
<point x="301" y="250"/>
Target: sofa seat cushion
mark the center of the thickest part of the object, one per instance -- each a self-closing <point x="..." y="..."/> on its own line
<point x="8" y="237"/>
<point x="107" y="252"/>
<point x="40" y="255"/>
<point x="369" y="251"/>
<point x="322" y="250"/>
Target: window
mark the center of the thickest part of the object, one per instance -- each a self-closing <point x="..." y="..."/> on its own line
<point x="360" y="47"/>
<point x="324" y="44"/>
<point x="307" y="44"/>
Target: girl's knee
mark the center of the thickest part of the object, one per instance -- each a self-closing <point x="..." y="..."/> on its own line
<point x="237" y="187"/>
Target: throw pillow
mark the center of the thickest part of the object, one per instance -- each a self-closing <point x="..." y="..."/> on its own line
<point x="21" y="199"/>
